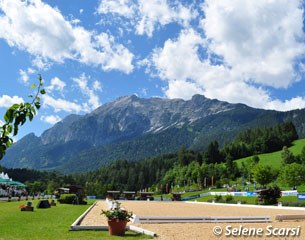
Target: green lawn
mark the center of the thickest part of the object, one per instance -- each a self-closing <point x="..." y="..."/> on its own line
<point x="249" y="200"/>
<point x="274" y="159"/>
<point x="188" y="194"/>
<point x="51" y="223"/>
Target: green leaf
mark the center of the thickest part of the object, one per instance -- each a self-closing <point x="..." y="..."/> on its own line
<point x="33" y="111"/>
<point x="30" y="116"/>
<point x="33" y="86"/>
<point x="8" y="117"/>
<point x="9" y="143"/>
<point x="37" y="105"/>
<point x="15" y="106"/>
<point x="42" y="91"/>
<point x="28" y="105"/>
<point x="15" y="130"/>
<point x="9" y="128"/>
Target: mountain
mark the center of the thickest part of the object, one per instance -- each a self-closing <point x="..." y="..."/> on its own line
<point x="134" y="128"/>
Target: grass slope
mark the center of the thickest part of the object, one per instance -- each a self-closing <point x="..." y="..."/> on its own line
<point x="274" y="159"/>
<point x="48" y="224"/>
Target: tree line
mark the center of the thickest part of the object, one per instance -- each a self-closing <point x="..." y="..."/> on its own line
<point x="185" y="167"/>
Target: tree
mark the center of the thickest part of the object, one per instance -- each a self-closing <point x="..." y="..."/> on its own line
<point x="302" y="156"/>
<point x="292" y="174"/>
<point x="182" y="156"/>
<point x="213" y="155"/>
<point x="255" y="159"/>
<point x="231" y="168"/>
<point x="16" y="115"/>
<point x="287" y="156"/>
<point x="270" y="196"/>
<point x="264" y="174"/>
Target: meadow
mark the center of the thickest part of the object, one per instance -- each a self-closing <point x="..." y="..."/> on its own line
<point x="48" y="224"/>
<point x="274" y="159"/>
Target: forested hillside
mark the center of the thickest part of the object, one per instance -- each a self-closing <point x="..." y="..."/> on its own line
<point x="133" y="128"/>
<point x="182" y="167"/>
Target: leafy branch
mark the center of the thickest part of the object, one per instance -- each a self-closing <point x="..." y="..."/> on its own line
<point x="16" y="115"/>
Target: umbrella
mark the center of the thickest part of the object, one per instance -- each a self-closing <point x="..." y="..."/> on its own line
<point x="11" y="183"/>
<point x="16" y="183"/>
<point x="4" y="181"/>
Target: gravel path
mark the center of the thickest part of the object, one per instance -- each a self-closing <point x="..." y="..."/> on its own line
<point x="202" y="231"/>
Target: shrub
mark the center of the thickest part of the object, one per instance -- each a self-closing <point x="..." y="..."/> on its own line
<point x="293" y="204"/>
<point x="67" y="198"/>
<point x="218" y="198"/>
<point x="229" y="198"/>
<point x="270" y="195"/>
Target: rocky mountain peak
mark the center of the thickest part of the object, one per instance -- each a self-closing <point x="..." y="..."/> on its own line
<point x="134" y="128"/>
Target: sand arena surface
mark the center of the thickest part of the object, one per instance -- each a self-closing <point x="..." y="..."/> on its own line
<point x="198" y="231"/>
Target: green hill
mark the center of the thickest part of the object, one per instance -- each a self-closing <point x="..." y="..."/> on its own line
<point x="274" y="159"/>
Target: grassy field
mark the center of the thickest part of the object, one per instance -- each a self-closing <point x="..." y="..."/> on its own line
<point x="274" y="159"/>
<point x="48" y="224"/>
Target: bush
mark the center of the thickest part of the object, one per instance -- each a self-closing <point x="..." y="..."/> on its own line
<point x="218" y="198"/>
<point x="67" y="198"/>
<point x="293" y="204"/>
<point x="229" y="198"/>
<point x="270" y="195"/>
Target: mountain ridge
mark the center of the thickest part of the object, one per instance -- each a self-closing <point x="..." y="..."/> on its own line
<point x="133" y="128"/>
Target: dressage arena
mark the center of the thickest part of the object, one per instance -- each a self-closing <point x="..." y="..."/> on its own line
<point x="203" y="230"/>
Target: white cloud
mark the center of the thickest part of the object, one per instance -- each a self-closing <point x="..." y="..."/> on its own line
<point x="293" y="103"/>
<point x="41" y="63"/>
<point x="106" y="53"/>
<point x="56" y="84"/>
<point x="43" y="31"/>
<point x="7" y="101"/>
<point x="159" y="13"/>
<point x="178" y="59"/>
<point x="93" y="102"/>
<point x="60" y="104"/>
<point x="51" y="119"/>
<point x="182" y="89"/>
<point x="36" y="27"/>
<point x="122" y="7"/>
<point x="259" y="38"/>
<point x="245" y="47"/>
<point x="146" y="16"/>
<point x="97" y="86"/>
<point x="31" y="71"/>
<point x="143" y="91"/>
<point x="23" y="76"/>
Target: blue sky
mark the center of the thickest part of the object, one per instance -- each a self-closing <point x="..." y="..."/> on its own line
<point x="91" y="52"/>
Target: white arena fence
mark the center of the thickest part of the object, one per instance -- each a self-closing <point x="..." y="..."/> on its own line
<point x="246" y="194"/>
